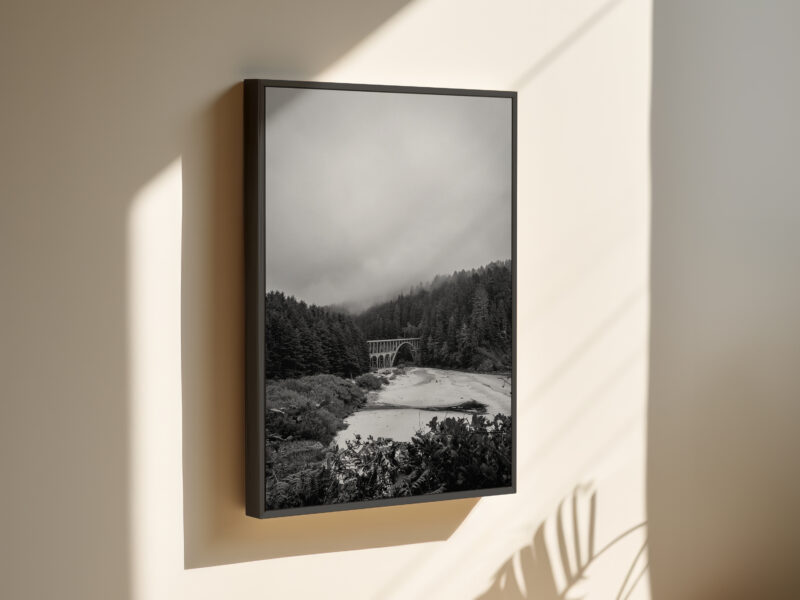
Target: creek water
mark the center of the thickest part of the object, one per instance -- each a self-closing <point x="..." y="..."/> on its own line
<point x="396" y="411"/>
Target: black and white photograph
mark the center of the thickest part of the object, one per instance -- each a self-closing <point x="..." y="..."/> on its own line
<point x="388" y="295"/>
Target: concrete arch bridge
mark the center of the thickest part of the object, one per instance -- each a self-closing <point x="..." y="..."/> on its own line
<point x="383" y="352"/>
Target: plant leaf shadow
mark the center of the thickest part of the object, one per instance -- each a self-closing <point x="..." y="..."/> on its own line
<point x="539" y="567"/>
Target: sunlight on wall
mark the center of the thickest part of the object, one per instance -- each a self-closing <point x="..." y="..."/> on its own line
<point x="582" y="70"/>
<point x="154" y="308"/>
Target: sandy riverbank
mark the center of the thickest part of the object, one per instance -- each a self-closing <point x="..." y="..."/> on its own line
<point x="422" y="388"/>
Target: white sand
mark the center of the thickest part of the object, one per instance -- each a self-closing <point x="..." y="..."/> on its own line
<point x="437" y="387"/>
<point x="425" y="387"/>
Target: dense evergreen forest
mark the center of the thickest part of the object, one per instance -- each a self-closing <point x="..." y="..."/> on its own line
<point x="306" y="340"/>
<point x="464" y="319"/>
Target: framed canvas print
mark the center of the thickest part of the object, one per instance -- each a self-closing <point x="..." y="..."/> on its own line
<point x="380" y="295"/>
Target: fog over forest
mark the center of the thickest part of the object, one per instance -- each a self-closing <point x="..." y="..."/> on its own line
<point x="369" y="194"/>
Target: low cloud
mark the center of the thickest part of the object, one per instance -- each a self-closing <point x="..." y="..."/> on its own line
<point x="370" y="193"/>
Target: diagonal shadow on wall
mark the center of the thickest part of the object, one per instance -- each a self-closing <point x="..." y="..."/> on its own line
<point x="216" y="530"/>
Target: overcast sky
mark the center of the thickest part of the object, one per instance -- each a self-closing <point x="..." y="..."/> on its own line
<point x="369" y="193"/>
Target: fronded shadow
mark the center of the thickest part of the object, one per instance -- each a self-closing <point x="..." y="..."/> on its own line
<point x="547" y="575"/>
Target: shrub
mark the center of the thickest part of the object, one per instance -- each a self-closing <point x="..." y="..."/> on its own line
<point x="457" y="454"/>
<point x="368" y="381"/>
<point x="325" y="388"/>
<point x="486" y="365"/>
<point x="450" y="455"/>
<point x="307" y="487"/>
<point x="311" y="408"/>
<point x="290" y="414"/>
<point x="454" y="454"/>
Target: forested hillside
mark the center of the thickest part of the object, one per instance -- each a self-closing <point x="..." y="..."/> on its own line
<point x="464" y="319"/>
<point x="306" y="340"/>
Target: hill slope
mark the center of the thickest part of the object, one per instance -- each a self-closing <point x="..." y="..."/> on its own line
<point x="464" y="319"/>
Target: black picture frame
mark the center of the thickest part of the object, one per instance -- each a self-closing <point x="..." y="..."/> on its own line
<point x="255" y="263"/>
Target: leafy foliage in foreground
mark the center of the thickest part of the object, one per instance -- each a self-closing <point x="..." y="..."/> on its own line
<point x="453" y="455"/>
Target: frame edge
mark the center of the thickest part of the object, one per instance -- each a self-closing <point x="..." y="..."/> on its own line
<point x="253" y="185"/>
<point x="254" y="247"/>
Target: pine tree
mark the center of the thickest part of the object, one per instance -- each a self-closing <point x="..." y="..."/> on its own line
<point x="305" y="340"/>
<point x="460" y="317"/>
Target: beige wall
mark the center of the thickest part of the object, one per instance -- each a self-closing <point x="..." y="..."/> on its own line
<point x="120" y="257"/>
<point x="723" y="492"/>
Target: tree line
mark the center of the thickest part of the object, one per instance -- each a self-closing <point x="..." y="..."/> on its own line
<point x="304" y="339"/>
<point x="464" y="319"/>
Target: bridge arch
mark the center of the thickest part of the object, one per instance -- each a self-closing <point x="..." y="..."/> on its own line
<point x="382" y="353"/>
<point x="404" y="344"/>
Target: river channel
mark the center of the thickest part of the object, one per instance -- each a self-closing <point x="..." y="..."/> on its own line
<point x="397" y="410"/>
